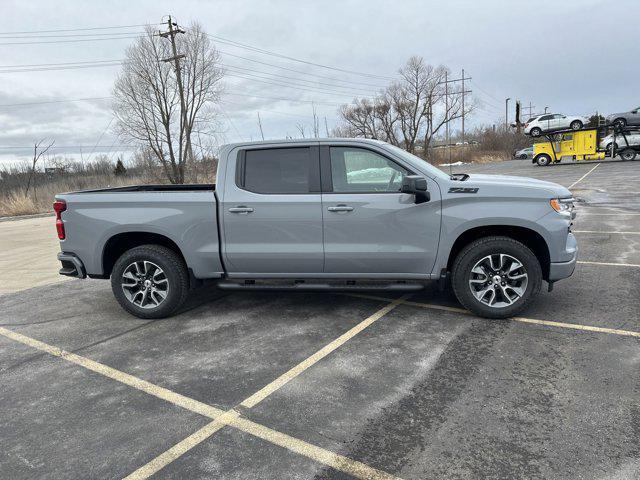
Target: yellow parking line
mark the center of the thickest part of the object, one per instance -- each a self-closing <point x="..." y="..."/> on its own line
<point x="573" y="326"/>
<point x="319" y="355"/>
<point x="135" y="382"/>
<point x="582" y="177"/>
<point x="609" y="264"/>
<point x="182" y="447"/>
<point x="231" y="417"/>
<point x="605" y="232"/>
<point x="344" y="464"/>
<point x="333" y="460"/>
<point x="576" y="326"/>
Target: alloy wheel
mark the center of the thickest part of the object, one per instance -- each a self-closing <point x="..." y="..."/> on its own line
<point x="145" y="284"/>
<point x="498" y="280"/>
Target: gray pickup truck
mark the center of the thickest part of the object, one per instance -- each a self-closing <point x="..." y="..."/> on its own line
<point x="341" y="214"/>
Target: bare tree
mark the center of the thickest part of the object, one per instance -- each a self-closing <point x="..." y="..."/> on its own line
<point x="37" y="154"/>
<point x="148" y="106"/>
<point x="301" y="128"/>
<point x="410" y="111"/>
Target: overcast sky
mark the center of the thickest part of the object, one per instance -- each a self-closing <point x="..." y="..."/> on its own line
<point x="574" y="56"/>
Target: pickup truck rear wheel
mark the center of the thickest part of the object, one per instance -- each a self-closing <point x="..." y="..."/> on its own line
<point x="150" y="281"/>
<point x="496" y="277"/>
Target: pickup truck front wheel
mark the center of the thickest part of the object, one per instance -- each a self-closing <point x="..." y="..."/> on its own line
<point x="150" y="281"/>
<point x="496" y="277"/>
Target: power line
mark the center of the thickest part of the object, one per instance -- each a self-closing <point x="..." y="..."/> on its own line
<point x="82" y="29"/>
<point x="299" y="71"/>
<point x="344" y="89"/>
<point x="62" y="146"/>
<point x="44" y="102"/>
<point x="68" y="41"/>
<point x="235" y="94"/>
<point x="49" y="69"/>
<point x="293" y="59"/>
<point x="58" y="64"/>
<point x="293" y="86"/>
<point x="3" y="35"/>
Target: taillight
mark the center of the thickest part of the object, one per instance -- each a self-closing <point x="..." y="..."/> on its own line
<point x="60" y="206"/>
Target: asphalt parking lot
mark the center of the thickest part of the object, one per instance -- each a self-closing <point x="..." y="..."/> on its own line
<point x="314" y="385"/>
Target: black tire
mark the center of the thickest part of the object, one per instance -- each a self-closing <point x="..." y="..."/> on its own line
<point x="576" y="125"/>
<point x="174" y="270"/>
<point x="628" y="154"/>
<point x="536" y="132"/>
<point x="523" y="157"/>
<point x="543" y="159"/>
<point x="620" y="121"/>
<point x="483" y="247"/>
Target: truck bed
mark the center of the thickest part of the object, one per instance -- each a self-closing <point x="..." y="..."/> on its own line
<point x="154" y="188"/>
<point x="184" y="215"/>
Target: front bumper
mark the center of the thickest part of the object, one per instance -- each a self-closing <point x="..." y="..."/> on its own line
<point x="72" y="266"/>
<point x="560" y="270"/>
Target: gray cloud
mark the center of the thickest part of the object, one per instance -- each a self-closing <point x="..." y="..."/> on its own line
<point x="573" y="56"/>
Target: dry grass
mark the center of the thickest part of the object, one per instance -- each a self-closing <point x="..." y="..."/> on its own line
<point x="15" y="202"/>
<point x="469" y="154"/>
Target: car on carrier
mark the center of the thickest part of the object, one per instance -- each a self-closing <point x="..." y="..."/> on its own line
<point x="334" y="214"/>
<point x="549" y="122"/>
<point x="632" y="117"/>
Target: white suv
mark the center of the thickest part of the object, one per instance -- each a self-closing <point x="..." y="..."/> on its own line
<point x="553" y="121"/>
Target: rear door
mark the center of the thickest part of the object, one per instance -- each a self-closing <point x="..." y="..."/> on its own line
<point x="545" y="122"/>
<point x="370" y="227"/>
<point x="272" y="212"/>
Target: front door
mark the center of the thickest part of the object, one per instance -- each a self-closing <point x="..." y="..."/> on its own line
<point x="272" y="212"/>
<point x="370" y="227"/>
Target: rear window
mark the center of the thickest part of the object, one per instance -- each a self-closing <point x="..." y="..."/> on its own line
<point x="280" y="170"/>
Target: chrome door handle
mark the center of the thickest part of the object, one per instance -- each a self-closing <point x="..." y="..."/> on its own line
<point x="340" y="208"/>
<point x="241" y="209"/>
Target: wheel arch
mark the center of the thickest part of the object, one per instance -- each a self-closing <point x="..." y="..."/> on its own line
<point x="530" y="238"/>
<point x="119" y="243"/>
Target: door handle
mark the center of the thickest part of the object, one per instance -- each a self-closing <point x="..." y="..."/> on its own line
<point x="340" y="208"/>
<point x="241" y="209"/>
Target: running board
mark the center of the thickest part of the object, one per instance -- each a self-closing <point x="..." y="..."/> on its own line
<point x="303" y="285"/>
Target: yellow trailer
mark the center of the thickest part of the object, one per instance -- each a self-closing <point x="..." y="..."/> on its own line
<point x="573" y="144"/>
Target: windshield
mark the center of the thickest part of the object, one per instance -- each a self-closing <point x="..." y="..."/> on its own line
<point x="433" y="172"/>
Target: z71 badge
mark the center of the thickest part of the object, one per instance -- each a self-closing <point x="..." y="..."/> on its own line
<point x="463" y="190"/>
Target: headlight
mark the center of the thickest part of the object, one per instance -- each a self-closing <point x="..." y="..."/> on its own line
<point x="562" y="205"/>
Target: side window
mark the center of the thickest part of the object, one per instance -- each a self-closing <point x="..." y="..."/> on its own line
<point x="278" y="170"/>
<point x="360" y="170"/>
<point x="544" y="117"/>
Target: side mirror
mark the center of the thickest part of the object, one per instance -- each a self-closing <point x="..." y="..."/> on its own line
<point x="416" y="185"/>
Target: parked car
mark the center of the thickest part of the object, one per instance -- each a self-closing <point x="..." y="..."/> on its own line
<point x="322" y="214"/>
<point x="632" y="138"/>
<point x="631" y="117"/>
<point x="553" y="121"/>
<point x="524" y="153"/>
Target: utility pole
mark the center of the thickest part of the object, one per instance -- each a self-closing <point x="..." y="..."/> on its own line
<point x="463" y="110"/>
<point x="518" y="123"/>
<point x="446" y="116"/>
<point x="545" y="109"/>
<point x="446" y="83"/>
<point x="530" y="109"/>
<point x="506" y="114"/>
<point x="260" y="125"/>
<point x="171" y="34"/>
